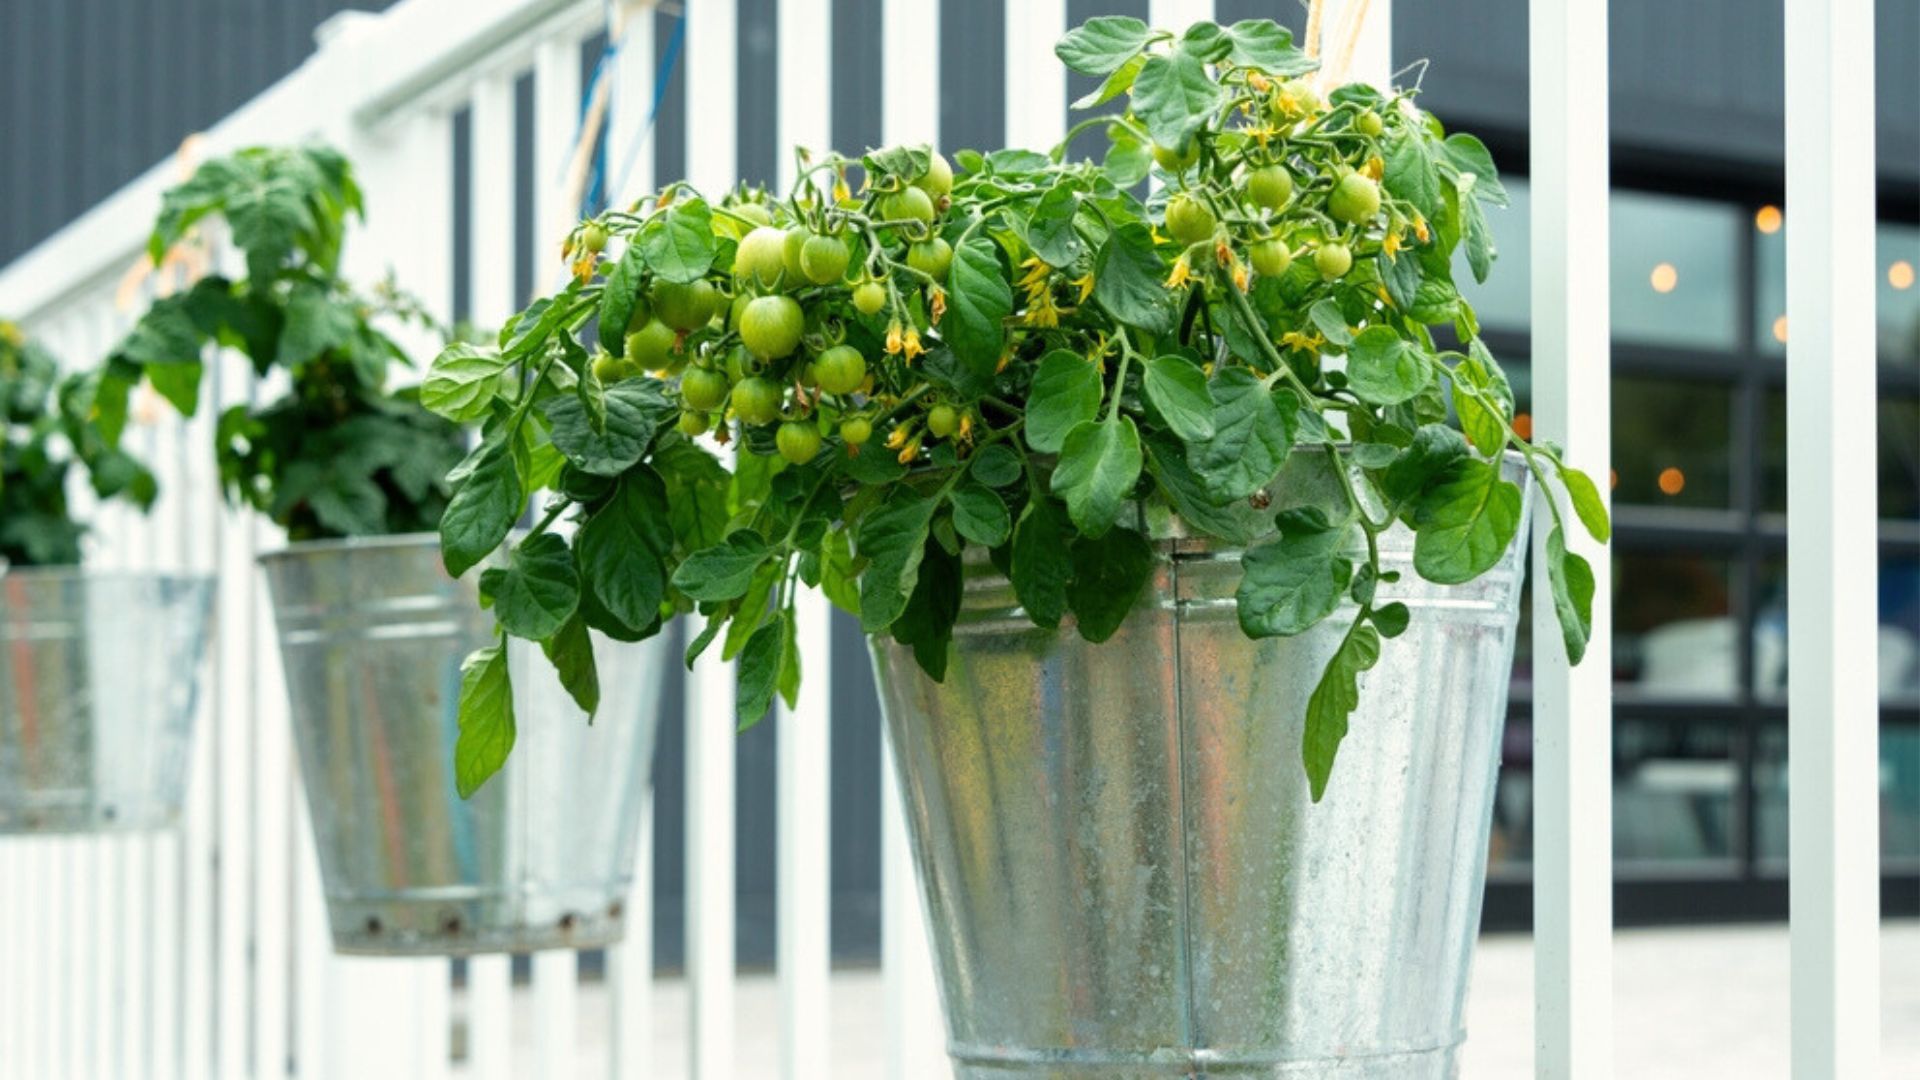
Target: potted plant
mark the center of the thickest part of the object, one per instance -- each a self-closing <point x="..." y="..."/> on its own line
<point x="1149" y="507"/>
<point x="98" y="670"/>
<point x="372" y="629"/>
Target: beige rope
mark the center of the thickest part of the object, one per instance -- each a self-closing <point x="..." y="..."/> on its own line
<point x="1353" y="19"/>
<point x="186" y="262"/>
<point x="1315" y="10"/>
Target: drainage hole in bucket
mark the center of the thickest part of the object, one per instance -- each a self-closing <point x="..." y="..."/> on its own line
<point x="373" y="924"/>
<point x="568" y="922"/>
<point x="451" y="925"/>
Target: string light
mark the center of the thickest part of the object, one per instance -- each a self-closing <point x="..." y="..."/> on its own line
<point x="1780" y="329"/>
<point x="1672" y="481"/>
<point x="1900" y="275"/>
<point x="1664" y="278"/>
<point x="1768" y="219"/>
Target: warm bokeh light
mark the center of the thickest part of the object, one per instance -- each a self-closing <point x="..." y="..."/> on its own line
<point x="1672" y="481"/>
<point x="1900" y="275"/>
<point x="1768" y="219"/>
<point x="1780" y="329"/>
<point x="1664" y="278"/>
<point x="1523" y="425"/>
<point x="1613" y="478"/>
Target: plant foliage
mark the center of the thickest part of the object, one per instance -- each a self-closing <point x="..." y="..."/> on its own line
<point x="736" y="396"/>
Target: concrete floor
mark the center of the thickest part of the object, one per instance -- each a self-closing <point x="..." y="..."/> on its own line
<point x="1690" y="1004"/>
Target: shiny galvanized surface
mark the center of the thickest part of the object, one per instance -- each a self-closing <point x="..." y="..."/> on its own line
<point x="1119" y="860"/>
<point x="372" y="633"/>
<point x="98" y="675"/>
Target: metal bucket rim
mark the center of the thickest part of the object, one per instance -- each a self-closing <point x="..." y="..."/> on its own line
<point x="303" y="548"/>
<point x="71" y="572"/>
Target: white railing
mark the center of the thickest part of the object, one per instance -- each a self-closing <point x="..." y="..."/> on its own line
<point x="204" y="953"/>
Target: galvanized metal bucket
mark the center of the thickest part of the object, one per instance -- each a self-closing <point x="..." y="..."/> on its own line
<point x="1119" y="861"/>
<point x="372" y="633"/>
<point x="98" y="676"/>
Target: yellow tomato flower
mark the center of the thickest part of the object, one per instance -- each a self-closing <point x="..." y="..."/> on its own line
<point x="1294" y="339"/>
<point x="937" y="306"/>
<point x="1085" y="284"/>
<point x="1182" y="273"/>
<point x="910" y="344"/>
<point x="893" y="337"/>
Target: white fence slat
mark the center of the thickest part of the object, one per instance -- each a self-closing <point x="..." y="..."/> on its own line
<point x="34" y="952"/>
<point x="1036" y="107"/>
<point x="556" y="1012"/>
<point x="13" y="967"/>
<point x="233" y="758"/>
<point x="490" y="1016"/>
<point x="1177" y="15"/>
<point x="1573" y="713"/>
<point x="199" y="839"/>
<point x="1833" y="706"/>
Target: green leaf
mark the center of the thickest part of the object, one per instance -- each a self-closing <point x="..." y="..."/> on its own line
<point x="1464" y="522"/>
<point x="1572" y="581"/>
<point x="1108" y="573"/>
<point x="1327" y="319"/>
<point x="978" y="302"/>
<point x="537" y="590"/>
<point x="462" y="382"/>
<point x="482" y="510"/>
<point x="1102" y="44"/>
<point x="166" y="334"/>
<point x="179" y="384"/>
<point x="1268" y="46"/>
<point x="980" y="515"/>
<point x="1116" y="84"/>
<point x="751" y="610"/>
<point x="723" y="572"/>
<point x="1252" y="436"/>
<point x="1099" y="464"/>
<point x="697" y="487"/>
<point x="486" y="719"/>
<point x="1587" y="503"/>
<point x="759" y="674"/>
<point x="1066" y="392"/>
<point x="678" y="244"/>
<point x="1411" y="174"/>
<point x="1173" y="95"/>
<point x="1127" y="280"/>
<point x="1333" y="700"/>
<point x="570" y="650"/>
<point x="316" y="323"/>
<point x="1481" y="250"/>
<point x="1392" y="619"/>
<point x="1289" y="584"/>
<point x="996" y="466"/>
<point x="622" y="549"/>
<point x="617" y="299"/>
<point x="926" y="624"/>
<point x="1231" y="520"/>
<point x="1178" y="388"/>
<point x="1050" y="231"/>
<point x="1385" y="368"/>
<point x="1040" y="562"/>
<point x="838" y="578"/>
<point x="1434" y="449"/>
<point x="892" y="539"/>
<point x="1469" y="156"/>
<point x="636" y="409"/>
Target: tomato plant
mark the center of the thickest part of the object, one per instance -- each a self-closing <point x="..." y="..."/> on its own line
<point x="1024" y="354"/>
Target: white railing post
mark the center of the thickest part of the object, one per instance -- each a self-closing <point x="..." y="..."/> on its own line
<point x="1573" y="707"/>
<point x="1833" y="706"/>
<point x="804" y="920"/>
<point x="1036" y="105"/>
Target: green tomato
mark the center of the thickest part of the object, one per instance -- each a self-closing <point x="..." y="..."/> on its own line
<point x="609" y="368"/>
<point x="760" y="259"/>
<point x="1270" y="257"/>
<point x="641" y="315"/>
<point x="685" y="307"/>
<point x="942" y="421"/>
<point x="1270" y="186"/>
<point x="840" y="370"/>
<point x="1188" y="219"/>
<point x="593" y="237"/>
<point x="1333" y="260"/>
<point x="823" y="259"/>
<point x="650" y="348"/>
<point x="754" y="212"/>
<point x="795" y="243"/>
<point x="704" y="389"/>
<point x="798" y="442"/>
<point x="931" y="257"/>
<point x="869" y="297"/>
<point x="908" y="204"/>
<point x="757" y="400"/>
<point x="693" y="424"/>
<point x="937" y="181"/>
<point x="1369" y="124"/>
<point x="771" y="326"/>
<point x="1177" y="159"/>
<point x="856" y="430"/>
<point x="1354" y="200"/>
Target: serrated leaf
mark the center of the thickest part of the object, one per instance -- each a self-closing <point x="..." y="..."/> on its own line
<point x="926" y="623"/>
<point x="617" y="299"/>
<point x="635" y="411"/>
<point x="1127" y="280"/>
<point x="1464" y="522"/>
<point x="482" y="510"/>
<point x="980" y="515"/>
<point x="1289" y="584"/>
<point x="1108" y="573"/>
<point x="622" y="548"/>
<point x="1066" y="392"/>
<point x="1232" y="520"/>
<point x="678" y="244"/>
<point x="1435" y="447"/>
<point x="1050" y="230"/>
<point x="1119" y="82"/>
<point x="538" y="589"/>
<point x="1099" y="464"/>
<point x="1332" y="324"/>
<point x="891" y="539"/>
<point x="996" y="466"/>
<point x="1385" y="368"/>
<point x="1333" y="700"/>
<point x="1102" y="43"/>
<point x="724" y="571"/>
<point x="485" y="717"/>
<point x="759" y="675"/>
<point x="1178" y="388"/>
<point x="462" y="382"/>
<point x="1411" y="174"/>
<point x="1040" y="565"/>
<point x="1173" y="95"/>
<point x="1470" y="157"/>
<point x="1267" y="46"/>
<point x="1251" y="439"/>
<point x="978" y="303"/>
<point x="570" y="651"/>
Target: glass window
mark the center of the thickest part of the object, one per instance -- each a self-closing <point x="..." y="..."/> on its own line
<point x="1504" y="302"/>
<point x="1897" y="293"/>
<point x="1898" y="417"/>
<point x="1899" y="796"/>
<point x="1675" y="634"/>
<point x="1672" y="442"/>
<point x="1898" y="643"/>
<point x="1675" y="279"/>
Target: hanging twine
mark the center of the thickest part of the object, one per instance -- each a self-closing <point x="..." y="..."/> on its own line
<point x="1353" y="19"/>
<point x="186" y="262"/>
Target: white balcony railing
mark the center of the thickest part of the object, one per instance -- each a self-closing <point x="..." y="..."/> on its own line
<point x="204" y="953"/>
